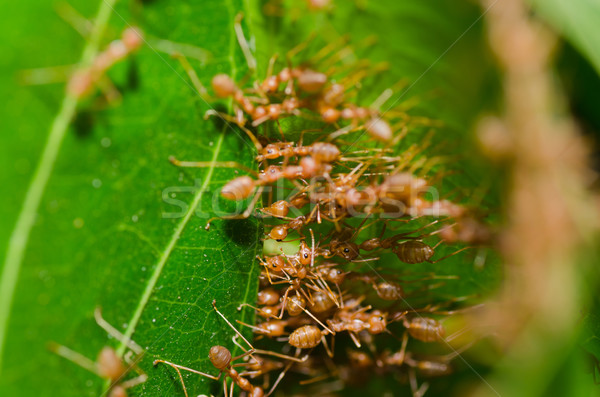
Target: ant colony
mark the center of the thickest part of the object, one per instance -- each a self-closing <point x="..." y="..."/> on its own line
<point x="356" y="298"/>
<point x="350" y="198"/>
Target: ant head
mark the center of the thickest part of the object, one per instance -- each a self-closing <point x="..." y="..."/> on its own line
<point x="271" y="151"/>
<point x="271" y="84"/>
<point x="400" y="316"/>
<point x="275" y="262"/>
<point x="377" y="322"/>
<point x="337" y="276"/>
<point x="219" y="356"/>
<point x="347" y="250"/>
<point x="304" y="254"/>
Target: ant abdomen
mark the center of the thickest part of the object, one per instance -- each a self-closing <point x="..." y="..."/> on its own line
<point x="279" y="232"/>
<point x="238" y="188"/>
<point x="324" y="152"/>
<point x="432" y="368"/>
<point x="321" y="302"/>
<point x="311" y="82"/>
<point x="219" y="356"/>
<point x="279" y="208"/>
<point x="334" y="95"/>
<point x="389" y="291"/>
<point x="295" y="305"/>
<point x="425" y="329"/>
<point x="268" y="297"/>
<point x="371" y="244"/>
<point x="413" y="251"/>
<point x="272" y="328"/>
<point x="305" y="337"/>
<point x="379" y="129"/>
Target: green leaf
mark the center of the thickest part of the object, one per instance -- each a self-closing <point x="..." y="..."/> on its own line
<point x="577" y="20"/>
<point x="101" y="237"/>
<point x="109" y="230"/>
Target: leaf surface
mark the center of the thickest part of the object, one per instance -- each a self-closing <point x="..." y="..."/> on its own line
<point x="577" y="20"/>
<point x="120" y="227"/>
<point x="105" y="235"/>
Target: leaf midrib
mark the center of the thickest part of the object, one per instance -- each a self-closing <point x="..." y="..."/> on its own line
<point x="169" y="250"/>
<point x="132" y="324"/>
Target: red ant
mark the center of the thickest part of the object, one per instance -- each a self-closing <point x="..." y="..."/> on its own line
<point x="221" y="359"/>
<point x="109" y="364"/>
<point x="83" y="81"/>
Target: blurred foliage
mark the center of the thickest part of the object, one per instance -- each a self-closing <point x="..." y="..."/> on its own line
<point x="577" y="20"/>
<point x="101" y="238"/>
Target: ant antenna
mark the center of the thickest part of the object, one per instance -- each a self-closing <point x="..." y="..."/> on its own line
<point x="112" y="331"/>
<point x="74" y="357"/>
<point x="239" y="32"/>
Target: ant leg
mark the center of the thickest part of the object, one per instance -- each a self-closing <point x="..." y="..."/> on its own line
<point x="299" y="48"/>
<point x="108" y="89"/>
<point x="403" y="348"/>
<point x="342" y="131"/>
<point x="449" y="255"/>
<point x="258" y="309"/>
<point x="47" y="75"/>
<point x="272" y="61"/>
<point x="253" y="327"/>
<point x="318" y="321"/>
<point x="112" y="331"/>
<point x="354" y="339"/>
<point x="74" y="357"/>
<point x="264" y="352"/>
<point x="283" y="301"/>
<point x="414" y="386"/>
<point x="279" y="355"/>
<point x="132" y="362"/>
<point x="329" y="49"/>
<point x="239" y="32"/>
<point x="225" y="387"/>
<point x="279" y="378"/>
<point x="231" y="119"/>
<point x="214" y="303"/>
<point x="135" y="381"/>
<point x="178" y="367"/>
<point x="70" y="15"/>
<point x="202" y="164"/>
<point x="326" y="346"/>
<point x="193" y="76"/>
<point x="312" y="248"/>
<point x="243" y="215"/>
<point x="387" y="94"/>
<point x="321" y="284"/>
